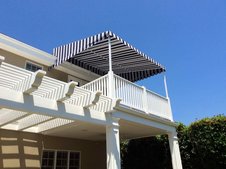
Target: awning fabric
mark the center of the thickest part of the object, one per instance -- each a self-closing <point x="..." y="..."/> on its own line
<point x="92" y="54"/>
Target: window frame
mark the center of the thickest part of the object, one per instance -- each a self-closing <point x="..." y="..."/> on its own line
<point x="32" y="63"/>
<point x="68" y="156"/>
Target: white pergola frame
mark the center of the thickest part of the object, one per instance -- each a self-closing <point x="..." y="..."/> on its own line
<point x="39" y="103"/>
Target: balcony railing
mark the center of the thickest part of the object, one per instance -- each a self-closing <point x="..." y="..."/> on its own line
<point x="132" y="95"/>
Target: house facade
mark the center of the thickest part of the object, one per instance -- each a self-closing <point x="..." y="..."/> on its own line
<point x="70" y="109"/>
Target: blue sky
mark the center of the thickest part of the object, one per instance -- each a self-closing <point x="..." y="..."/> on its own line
<point x="187" y="37"/>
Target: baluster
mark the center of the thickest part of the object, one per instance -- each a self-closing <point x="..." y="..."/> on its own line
<point x="104" y="86"/>
<point x="145" y="99"/>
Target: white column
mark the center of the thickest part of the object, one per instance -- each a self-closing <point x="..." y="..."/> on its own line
<point x="111" y="82"/>
<point x="174" y="150"/>
<point x="113" y="144"/>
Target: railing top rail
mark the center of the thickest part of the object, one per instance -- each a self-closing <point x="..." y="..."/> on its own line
<point x="163" y="97"/>
<point x="127" y="81"/>
<point x="100" y="78"/>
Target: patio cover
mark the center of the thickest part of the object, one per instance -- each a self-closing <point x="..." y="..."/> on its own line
<point x="92" y="54"/>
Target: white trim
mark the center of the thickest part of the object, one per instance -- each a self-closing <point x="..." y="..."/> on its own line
<point x="19" y="48"/>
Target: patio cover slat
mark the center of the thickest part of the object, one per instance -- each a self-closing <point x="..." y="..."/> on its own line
<point x="92" y="54"/>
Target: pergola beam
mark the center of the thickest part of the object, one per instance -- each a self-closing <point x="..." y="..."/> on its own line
<point x="18" y="101"/>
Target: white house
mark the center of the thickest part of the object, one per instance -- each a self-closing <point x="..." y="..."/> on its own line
<point x="69" y="109"/>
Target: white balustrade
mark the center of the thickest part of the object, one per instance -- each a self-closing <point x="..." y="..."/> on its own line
<point x="133" y="95"/>
<point x="130" y="93"/>
<point x="100" y="84"/>
<point x="158" y="105"/>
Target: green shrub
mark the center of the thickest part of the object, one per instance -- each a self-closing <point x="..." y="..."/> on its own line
<point x="151" y="153"/>
<point x="202" y="146"/>
<point x="208" y="140"/>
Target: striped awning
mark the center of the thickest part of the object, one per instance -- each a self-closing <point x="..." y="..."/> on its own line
<point x="92" y="54"/>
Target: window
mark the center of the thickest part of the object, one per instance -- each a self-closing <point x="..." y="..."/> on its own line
<point x="32" y="67"/>
<point x="54" y="159"/>
<point x="48" y="159"/>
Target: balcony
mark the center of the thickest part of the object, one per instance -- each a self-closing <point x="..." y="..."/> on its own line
<point x="132" y="95"/>
<point x="120" y="65"/>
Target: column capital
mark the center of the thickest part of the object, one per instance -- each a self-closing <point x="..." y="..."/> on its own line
<point x="173" y="135"/>
<point x="112" y="121"/>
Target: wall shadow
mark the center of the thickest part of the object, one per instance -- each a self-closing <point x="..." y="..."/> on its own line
<point x="20" y="150"/>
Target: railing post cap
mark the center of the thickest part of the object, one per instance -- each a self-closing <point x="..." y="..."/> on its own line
<point x="73" y="83"/>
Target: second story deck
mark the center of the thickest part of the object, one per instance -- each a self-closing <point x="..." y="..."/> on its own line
<point x="118" y="66"/>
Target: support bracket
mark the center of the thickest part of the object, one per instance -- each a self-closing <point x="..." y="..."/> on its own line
<point x="37" y="81"/>
<point x="116" y="102"/>
<point x="95" y="97"/>
<point x="68" y="91"/>
<point x="2" y="58"/>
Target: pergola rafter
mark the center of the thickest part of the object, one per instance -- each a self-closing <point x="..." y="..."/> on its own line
<point x="38" y="84"/>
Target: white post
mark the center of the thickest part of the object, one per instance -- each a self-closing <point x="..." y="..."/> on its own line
<point x="109" y="54"/>
<point x="111" y="82"/>
<point x="174" y="150"/>
<point x="113" y="144"/>
<point x="166" y="88"/>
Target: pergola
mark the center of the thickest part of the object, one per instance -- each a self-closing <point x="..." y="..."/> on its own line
<point x="33" y="102"/>
<point x="106" y="51"/>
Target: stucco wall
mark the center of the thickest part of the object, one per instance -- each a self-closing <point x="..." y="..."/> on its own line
<point x="23" y="150"/>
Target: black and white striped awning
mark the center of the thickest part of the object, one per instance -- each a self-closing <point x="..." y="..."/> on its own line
<point x="92" y="54"/>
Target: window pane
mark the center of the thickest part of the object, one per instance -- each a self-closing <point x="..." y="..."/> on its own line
<point x="64" y="160"/>
<point x="74" y="160"/>
<point x="28" y="66"/>
<point x="61" y="161"/>
<point x="48" y="159"/>
<point x="32" y="67"/>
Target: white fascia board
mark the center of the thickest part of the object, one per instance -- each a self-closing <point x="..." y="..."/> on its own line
<point x="140" y="114"/>
<point x="32" y="104"/>
<point x="77" y="71"/>
<point x="26" y="51"/>
<point x="145" y="121"/>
